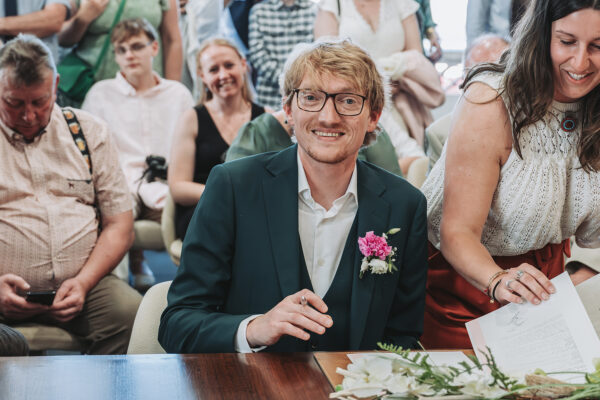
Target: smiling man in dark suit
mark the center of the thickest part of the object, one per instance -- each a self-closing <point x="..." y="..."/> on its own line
<point x="271" y="260"/>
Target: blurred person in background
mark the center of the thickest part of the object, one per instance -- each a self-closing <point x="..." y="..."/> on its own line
<point x="275" y="27"/>
<point x="428" y="31"/>
<point x="88" y="28"/>
<point x="397" y="49"/>
<point x="199" y="20"/>
<point x="142" y="110"/>
<point x="205" y="132"/>
<point x="486" y="48"/>
<point x="42" y="18"/>
<point x="488" y="16"/>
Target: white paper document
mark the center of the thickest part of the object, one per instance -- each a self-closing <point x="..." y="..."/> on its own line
<point x="556" y="335"/>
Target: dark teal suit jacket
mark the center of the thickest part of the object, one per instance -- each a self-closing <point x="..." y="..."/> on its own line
<point x="241" y="257"/>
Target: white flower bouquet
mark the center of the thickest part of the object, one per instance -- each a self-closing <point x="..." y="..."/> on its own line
<point x="406" y="375"/>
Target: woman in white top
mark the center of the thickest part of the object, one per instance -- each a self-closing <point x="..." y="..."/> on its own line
<point x="389" y="31"/>
<point x="519" y="173"/>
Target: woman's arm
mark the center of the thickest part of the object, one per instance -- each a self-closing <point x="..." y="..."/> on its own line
<point x="171" y="42"/>
<point x="183" y="159"/>
<point x="412" y="36"/>
<point x="74" y="29"/>
<point x="479" y="144"/>
<point x="326" y="24"/>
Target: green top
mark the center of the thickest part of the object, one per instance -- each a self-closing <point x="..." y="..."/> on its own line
<point x="91" y="43"/>
<point x="265" y="133"/>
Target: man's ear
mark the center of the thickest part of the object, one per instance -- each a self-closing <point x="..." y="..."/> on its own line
<point x="55" y="88"/>
<point x="154" y="46"/>
<point x="287" y="108"/>
<point x="373" y="119"/>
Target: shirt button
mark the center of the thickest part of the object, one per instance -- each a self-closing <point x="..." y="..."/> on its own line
<point x="320" y="262"/>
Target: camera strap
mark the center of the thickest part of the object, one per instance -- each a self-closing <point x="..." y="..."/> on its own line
<point x="82" y="146"/>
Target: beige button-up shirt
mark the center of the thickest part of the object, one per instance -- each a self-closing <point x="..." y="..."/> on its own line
<point x="48" y="225"/>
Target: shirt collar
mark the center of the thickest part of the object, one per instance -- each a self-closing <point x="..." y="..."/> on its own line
<point x="125" y="87"/>
<point x="304" y="188"/>
<point x="297" y="4"/>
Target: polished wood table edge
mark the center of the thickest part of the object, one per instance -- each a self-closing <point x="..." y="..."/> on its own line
<point x="158" y="376"/>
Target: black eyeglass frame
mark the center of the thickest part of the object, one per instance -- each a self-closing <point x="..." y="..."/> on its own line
<point x="327" y="96"/>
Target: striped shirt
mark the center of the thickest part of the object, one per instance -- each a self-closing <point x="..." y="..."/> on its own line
<point x="274" y="30"/>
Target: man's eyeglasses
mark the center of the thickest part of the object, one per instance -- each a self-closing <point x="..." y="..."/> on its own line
<point x="312" y="100"/>
<point x="135" y="48"/>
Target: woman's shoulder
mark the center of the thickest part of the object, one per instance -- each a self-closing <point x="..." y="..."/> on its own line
<point x="404" y="8"/>
<point x="493" y="80"/>
<point x="332" y="6"/>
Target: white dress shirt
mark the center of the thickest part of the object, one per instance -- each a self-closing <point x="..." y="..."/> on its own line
<point x="323" y="234"/>
<point x="142" y="124"/>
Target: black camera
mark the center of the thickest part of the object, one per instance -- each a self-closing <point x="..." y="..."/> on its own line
<point x="156" y="168"/>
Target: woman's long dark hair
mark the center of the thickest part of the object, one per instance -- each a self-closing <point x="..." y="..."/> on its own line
<point x="528" y="78"/>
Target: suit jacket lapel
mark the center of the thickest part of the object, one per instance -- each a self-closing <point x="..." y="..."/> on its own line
<point x="280" y="190"/>
<point x="373" y="215"/>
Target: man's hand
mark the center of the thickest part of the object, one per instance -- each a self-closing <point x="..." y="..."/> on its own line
<point x="290" y="317"/>
<point x="13" y="306"/>
<point x="69" y="300"/>
<point x="92" y="9"/>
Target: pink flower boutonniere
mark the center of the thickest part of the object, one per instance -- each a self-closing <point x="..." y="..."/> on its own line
<point x="379" y="256"/>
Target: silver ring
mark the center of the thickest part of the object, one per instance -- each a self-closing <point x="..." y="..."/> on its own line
<point x="508" y="282"/>
<point x="303" y="300"/>
<point x="519" y="275"/>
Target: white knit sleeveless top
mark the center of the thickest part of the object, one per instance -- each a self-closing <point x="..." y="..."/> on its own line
<point x="543" y="198"/>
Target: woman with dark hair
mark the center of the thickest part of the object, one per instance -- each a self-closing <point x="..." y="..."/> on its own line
<point x="519" y="174"/>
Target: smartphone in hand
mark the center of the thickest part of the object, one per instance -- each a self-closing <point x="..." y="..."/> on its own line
<point x="45" y="297"/>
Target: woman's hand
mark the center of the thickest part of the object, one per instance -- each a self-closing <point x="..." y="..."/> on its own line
<point x="523" y="283"/>
<point x="435" y="52"/>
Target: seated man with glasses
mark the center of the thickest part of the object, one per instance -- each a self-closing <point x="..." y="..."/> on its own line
<point x="141" y="109"/>
<point x="288" y="251"/>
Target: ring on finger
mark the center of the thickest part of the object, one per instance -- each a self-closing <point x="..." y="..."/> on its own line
<point x="508" y="282"/>
<point x="519" y="275"/>
<point x="303" y="300"/>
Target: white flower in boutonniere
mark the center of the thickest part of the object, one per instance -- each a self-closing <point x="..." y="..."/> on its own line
<point x="378" y="255"/>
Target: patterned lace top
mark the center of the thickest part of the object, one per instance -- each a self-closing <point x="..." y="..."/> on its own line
<point x="545" y="197"/>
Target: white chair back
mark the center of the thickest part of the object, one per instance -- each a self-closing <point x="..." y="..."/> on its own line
<point x="144" y="335"/>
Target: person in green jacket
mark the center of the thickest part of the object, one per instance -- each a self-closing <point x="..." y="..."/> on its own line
<point x="270" y="132"/>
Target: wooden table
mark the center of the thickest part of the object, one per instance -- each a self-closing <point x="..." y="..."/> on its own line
<point x="168" y="377"/>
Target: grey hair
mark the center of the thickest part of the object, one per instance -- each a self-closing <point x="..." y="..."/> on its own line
<point x="28" y="59"/>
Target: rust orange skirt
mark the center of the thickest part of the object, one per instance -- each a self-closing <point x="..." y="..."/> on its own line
<point x="451" y="301"/>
